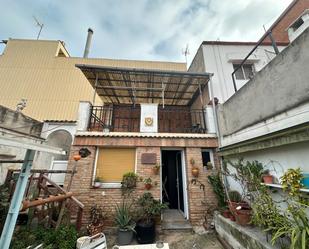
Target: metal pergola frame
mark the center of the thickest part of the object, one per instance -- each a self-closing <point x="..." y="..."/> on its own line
<point x="132" y="86"/>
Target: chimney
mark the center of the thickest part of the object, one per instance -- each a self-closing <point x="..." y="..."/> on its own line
<point x="88" y="43"/>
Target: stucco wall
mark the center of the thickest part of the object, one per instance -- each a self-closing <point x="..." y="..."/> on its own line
<point x="278" y="87"/>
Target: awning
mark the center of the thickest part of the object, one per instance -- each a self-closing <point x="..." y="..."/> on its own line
<point x="131" y="85"/>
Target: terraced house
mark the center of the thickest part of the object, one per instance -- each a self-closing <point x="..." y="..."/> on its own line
<point x="149" y="118"/>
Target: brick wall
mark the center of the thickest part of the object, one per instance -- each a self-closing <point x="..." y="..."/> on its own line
<point x="280" y="32"/>
<point x="198" y="203"/>
<point x="107" y="197"/>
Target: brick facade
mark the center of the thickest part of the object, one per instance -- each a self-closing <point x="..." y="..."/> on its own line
<point x="107" y="197"/>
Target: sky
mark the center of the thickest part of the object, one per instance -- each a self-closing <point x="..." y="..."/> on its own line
<point x="139" y="29"/>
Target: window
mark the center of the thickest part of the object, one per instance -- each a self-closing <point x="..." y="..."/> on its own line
<point x="112" y="163"/>
<point x="207" y="156"/>
<point x="245" y="72"/>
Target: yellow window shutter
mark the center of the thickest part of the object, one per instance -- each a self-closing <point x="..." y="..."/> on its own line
<point x="112" y="163"/>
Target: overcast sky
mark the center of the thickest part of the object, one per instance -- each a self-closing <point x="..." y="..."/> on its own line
<point x="139" y="29"/>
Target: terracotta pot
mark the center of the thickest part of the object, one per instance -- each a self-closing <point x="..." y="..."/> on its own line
<point x="233" y="205"/>
<point x="155" y="171"/>
<point x="268" y="179"/>
<point x="148" y="186"/>
<point x="232" y="218"/>
<point x="226" y="213"/>
<point x="243" y="217"/>
<point x="195" y="172"/>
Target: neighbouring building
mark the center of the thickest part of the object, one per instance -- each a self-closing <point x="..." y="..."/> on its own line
<point x="223" y="57"/>
<point x="43" y="74"/>
<point x="268" y="119"/>
<point x="149" y="117"/>
<point x="15" y="125"/>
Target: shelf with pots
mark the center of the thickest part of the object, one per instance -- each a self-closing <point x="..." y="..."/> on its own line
<point x="275" y="185"/>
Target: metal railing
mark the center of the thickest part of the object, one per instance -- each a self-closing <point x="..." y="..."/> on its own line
<point x="171" y="119"/>
<point x="273" y="42"/>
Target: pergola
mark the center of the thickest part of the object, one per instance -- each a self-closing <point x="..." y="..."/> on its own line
<point x="133" y="86"/>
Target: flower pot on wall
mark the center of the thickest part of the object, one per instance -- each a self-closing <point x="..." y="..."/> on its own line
<point x="148" y="186"/>
<point x="195" y="172"/>
<point x="268" y="179"/>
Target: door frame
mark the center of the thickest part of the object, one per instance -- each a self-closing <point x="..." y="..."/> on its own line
<point x="184" y="179"/>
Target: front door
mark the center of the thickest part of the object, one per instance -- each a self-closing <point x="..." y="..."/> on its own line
<point x="173" y="180"/>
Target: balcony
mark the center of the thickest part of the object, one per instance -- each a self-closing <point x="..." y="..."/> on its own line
<point x="126" y="118"/>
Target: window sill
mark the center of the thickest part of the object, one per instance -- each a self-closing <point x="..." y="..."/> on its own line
<point x="114" y="185"/>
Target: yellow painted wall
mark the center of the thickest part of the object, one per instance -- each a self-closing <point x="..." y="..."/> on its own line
<point x="52" y="85"/>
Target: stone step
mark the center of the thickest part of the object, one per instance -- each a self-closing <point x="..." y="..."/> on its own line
<point x="184" y="225"/>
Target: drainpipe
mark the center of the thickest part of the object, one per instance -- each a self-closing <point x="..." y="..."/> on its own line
<point x="88" y="43"/>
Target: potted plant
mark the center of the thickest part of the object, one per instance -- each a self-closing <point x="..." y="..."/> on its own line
<point x="195" y="171"/>
<point x="267" y="177"/>
<point x="239" y="208"/>
<point x="97" y="182"/>
<point x="125" y="223"/>
<point x="149" y="208"/>
<point x="148" y="183"/>
<point x="209" y="166"/>
<point x="156" y="169"/>
<point x="291" y="181"/>
<point x="97" y="217"/>
<point x="128" y="182"/>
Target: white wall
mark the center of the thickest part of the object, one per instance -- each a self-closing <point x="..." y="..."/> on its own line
<point x="279" y="159"/>
<point x="219" y="59"/>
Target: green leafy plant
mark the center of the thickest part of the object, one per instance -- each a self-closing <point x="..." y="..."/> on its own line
<point x="291" y="181"/>
<point x="234" y="196"/>
<point x="149" y="207"/>
<point x="297" y="229"/>
<point x="98" y="179"/>
<point x="65" y="237"/>
<point x="129" y="181"/>
<point x="147" y="180"/>
<point x="218" y="188"/>
<point x="123" y="217"/>
<point x="4" y="204"/>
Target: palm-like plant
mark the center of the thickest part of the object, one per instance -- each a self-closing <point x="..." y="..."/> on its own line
<point x="123" y="217"/>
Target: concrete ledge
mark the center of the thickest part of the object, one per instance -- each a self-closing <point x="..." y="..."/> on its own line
<point x="241" y="237"/>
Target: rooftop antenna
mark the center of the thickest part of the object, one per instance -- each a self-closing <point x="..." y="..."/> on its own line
<point x="41" y="25"/>
<point x="186" y="53"/>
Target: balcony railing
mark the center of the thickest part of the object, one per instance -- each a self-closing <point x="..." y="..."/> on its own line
<point x="171" y="119"/>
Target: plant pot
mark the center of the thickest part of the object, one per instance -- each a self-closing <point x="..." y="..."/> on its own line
<point x="195" y="172"/>
<point x="268" y="179"/>
<point x="148" y="186"/>
<point x="233" y="205"/>
<point x="95" y="229"/>
<point x="124" y="237"/>
<point x="97" y="184"/>
<point x="243" y="217"/>
<point x="305" y="180"/>
<point x="232" y="217"/>
<point x="226" y="213"/>
<point x="155" y="171"/>
<point x="145" y="232"/>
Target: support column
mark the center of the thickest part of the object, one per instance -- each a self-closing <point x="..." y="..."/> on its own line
<point x="16" y="201"/>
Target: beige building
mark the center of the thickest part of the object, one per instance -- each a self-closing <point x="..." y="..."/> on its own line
<point x="43" y="73"/>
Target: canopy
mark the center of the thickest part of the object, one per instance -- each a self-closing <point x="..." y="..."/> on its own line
<point x="131" y="85"/>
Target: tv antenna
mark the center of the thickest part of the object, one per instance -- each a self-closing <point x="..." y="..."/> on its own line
<point x="41" y="25"/>
<point x="186" y="53"/>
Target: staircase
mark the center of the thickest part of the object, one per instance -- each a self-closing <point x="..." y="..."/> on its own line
<point x="174" y="220"/>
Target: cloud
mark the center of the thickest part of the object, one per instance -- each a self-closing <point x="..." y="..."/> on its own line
<point x="139" y="29"/>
